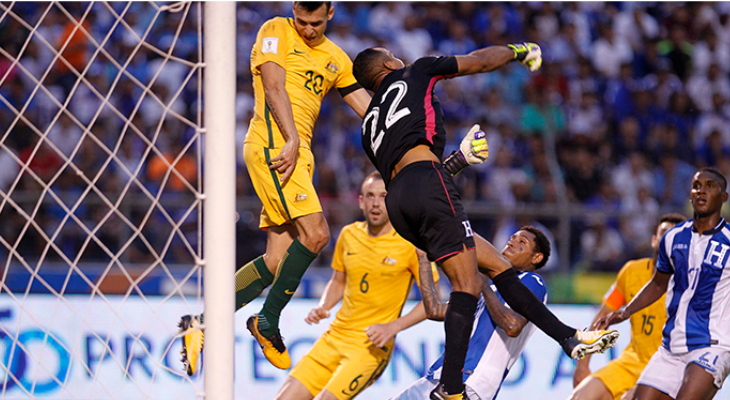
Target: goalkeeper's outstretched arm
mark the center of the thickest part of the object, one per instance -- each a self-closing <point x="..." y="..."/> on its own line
<point x="492" y="57"/>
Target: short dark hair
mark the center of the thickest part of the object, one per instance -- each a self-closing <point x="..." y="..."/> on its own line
<point x="672" y="218"/>
<point x="364" y="66"/>
<point x="312" y="6"/>
<point x="542" y="244"/>
<point x="717" y="173"/>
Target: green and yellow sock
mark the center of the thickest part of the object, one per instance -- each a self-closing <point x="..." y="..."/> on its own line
<point x="295" y="262"/>
<point x="251" y="280"/>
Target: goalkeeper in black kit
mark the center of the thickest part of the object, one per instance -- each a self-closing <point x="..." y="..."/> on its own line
<point x="403" y="135"/>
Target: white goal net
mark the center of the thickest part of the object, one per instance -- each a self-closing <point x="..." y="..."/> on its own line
<point x="101" y="200"/>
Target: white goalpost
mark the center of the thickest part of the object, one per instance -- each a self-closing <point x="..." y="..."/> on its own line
<point x="117" y="198"/>
<point x="220" y="170"/>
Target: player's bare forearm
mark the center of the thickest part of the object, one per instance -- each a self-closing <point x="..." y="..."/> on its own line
<point x="435" y="309"/>
<point x="510" y="321"/>
<point x="650" y="293"/>
<point x="359" y="100"/>
<point x="484" y="60"/>
<point x="277" y="99"/>
<point x="381" y="334"/>
<point x="416" y="315"/>
<point x="332" y="295"/>
<point x="334" y="291"/>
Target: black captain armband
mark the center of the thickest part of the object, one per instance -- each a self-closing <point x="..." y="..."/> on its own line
<point x="347" y="90"/>
<point x="455" y="162"/>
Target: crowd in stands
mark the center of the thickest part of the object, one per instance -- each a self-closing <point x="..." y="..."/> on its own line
<point x="631" y="99"/>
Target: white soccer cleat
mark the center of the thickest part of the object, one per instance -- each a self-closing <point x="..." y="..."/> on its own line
<point x="589" y="342"/>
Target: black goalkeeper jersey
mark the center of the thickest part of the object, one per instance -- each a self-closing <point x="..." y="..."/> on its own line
<point x="404" y="112"/>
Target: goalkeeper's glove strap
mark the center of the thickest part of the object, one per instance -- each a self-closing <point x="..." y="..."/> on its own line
<point x="455" y="162"/>
<point x="520" y="51"/>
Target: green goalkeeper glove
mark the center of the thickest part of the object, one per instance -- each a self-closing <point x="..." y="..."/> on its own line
<point x="529" y="54"/>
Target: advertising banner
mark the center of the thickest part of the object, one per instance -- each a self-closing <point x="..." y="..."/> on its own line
<point x="81" y="349"/>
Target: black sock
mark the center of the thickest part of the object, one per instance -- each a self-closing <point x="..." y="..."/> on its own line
<point x="523" y="301"/>
<point x="457" y="323"/>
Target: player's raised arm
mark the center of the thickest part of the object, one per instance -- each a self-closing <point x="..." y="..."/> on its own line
<point x="492" y="57"/>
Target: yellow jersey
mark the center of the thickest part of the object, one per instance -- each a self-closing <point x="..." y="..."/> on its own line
<point x="647" y="324"/>
<point x="379" y="273"/>
<point x="310" y="73"/>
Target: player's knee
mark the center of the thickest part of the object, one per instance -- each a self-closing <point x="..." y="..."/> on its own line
<point x="316" y="238"/>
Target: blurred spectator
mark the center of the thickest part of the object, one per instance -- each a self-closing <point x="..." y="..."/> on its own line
<point x="701" y="87"/>
<point x="386" y="19"/>
<point x="670" y="180"/>
<point x="583" y="175"/>
<point x="716" y="119"/>
<point x="40" y="158"/>
<point x="174" y="159"/>
<point x="73" y="44"/>
<point x="635" y="25"/>
<point x="587" y="118"/>
<point x="9" y="168"/>
<point x="627" y="139"/>
<point x="664" y="83"/>
<point x="639" y="223"/>
<point x="65" y="135"/>
<point x="711" y="51"/>
<point x="539" y="116"/>
<point x="343" y="36"/>
<point x="630" y="176"/>
<point x="458" y="41"/>
<point x="414" y="41"/>
<point x="677" y="49"/>
<point x="505" y="180"/>
<point x="609" y="52"/>
<point x="601" y="245"/>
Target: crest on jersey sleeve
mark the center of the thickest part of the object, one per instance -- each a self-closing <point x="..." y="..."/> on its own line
<point x="270" y="45"/>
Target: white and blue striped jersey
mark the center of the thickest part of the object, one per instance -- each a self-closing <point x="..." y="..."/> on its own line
<point x="491" y="352"/>
<point x="698" y="295"/>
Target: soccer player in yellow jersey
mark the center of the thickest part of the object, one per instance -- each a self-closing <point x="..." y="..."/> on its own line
<point x="617" y="379"/>
<point x="293" y="66"/>
<point x="374" y="269"/>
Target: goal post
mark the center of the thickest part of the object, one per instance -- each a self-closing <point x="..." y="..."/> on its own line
<point x="219" y="233"/>
<point x="117" y="196"/>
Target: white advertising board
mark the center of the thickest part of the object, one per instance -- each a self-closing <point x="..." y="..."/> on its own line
<point x="141" y="342"/>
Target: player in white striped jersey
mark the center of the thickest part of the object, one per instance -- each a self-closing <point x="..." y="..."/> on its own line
<point x="693" y="269"/>
<point x="492" y="349"/>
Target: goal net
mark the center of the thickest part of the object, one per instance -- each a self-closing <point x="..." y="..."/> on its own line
<point x="101" y="200"/>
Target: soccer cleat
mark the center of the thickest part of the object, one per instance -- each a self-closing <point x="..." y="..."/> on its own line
<point x="440" y="394"/>
<point x="273" y="347"/>
<point x="192" y="343"/>
<point x="588" y="342"/>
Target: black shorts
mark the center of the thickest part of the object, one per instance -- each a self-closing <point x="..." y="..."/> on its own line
<point x="425" y="208"/>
